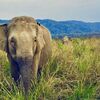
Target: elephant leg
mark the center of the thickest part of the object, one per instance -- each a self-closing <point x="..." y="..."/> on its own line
<point x="15" y="72"/>
<point x="36" y="64"/>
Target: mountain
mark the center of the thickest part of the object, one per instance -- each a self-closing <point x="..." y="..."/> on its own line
<point x="70" y="28"/>
<point x="4" y="22"/>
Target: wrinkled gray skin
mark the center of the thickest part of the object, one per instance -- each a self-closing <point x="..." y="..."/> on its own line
<point x="28" y="47"/>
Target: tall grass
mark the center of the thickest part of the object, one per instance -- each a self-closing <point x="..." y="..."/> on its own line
<point x="73" y="73"/>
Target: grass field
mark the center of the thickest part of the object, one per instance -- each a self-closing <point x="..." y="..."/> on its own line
<point x="73" y="73"/>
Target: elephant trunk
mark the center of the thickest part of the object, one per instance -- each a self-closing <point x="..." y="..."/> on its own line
<point x="25" y="65"/>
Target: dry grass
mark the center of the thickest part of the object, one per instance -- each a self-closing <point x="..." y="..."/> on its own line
<point x="73" y="73"/>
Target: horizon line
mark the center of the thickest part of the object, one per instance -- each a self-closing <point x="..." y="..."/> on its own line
<point x="57" y="20"/>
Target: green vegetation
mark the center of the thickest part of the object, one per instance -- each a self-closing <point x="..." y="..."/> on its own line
<point x="73" y="73"/>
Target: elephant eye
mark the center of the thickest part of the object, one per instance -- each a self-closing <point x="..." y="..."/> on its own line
<point x="13" y="45"/>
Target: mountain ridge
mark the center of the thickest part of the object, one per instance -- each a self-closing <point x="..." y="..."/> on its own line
<point x="71" y="28"/>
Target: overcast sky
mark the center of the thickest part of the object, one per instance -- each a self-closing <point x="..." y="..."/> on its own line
<point x="85" y="10"/>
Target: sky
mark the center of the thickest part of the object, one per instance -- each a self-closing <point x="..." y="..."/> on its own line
<point x="83" y="10"/>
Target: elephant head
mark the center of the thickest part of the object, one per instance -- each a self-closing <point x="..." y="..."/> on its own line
<point x="24" y="40"/>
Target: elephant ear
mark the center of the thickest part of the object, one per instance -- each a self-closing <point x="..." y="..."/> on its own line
<point x="40" y="38"/>
<point x="3" y="37"/>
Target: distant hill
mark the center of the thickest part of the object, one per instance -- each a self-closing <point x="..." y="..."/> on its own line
<point x="70" y="28"/>
<point x="4" y="22"/>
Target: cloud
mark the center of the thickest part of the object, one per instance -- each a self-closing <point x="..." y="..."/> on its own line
<point x="87" y="10"/>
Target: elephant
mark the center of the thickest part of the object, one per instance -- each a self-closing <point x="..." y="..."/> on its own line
<point x="28" y="47"/>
